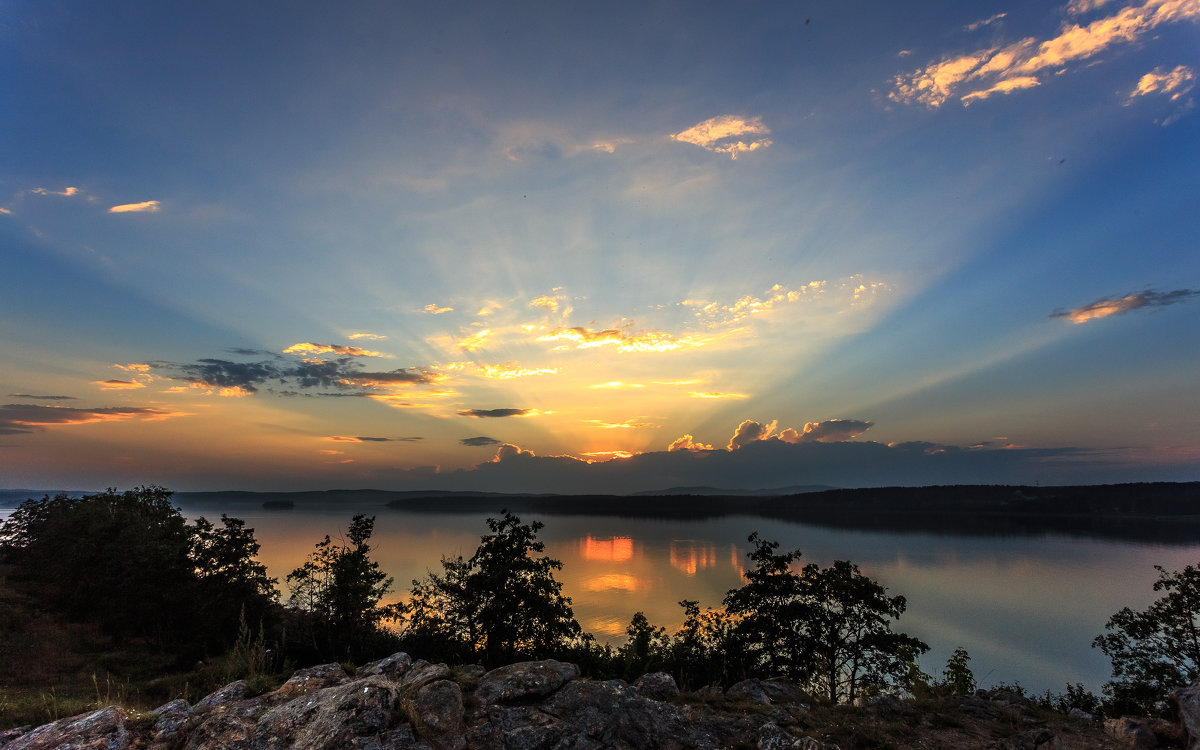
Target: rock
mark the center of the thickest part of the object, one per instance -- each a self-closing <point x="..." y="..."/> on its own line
<point x="439" y="714"/>
<point x="99" y="730"/>
<point x="1079" y="713"/>
<point x="711" y="692"/>
<point x="1134" y="731"/>
<point x="329" y="717"/>
<point x="656" y="686"/>
<point x="392" y="667"/>
<point x="170" y="719"/>
<point x="523" y="680"/>
<point x="1187" y="700"/>
<point x="772" y="737"/>
<point x="1031" y="739"/>
<point x="421" y="674"/>
<point x="8" y="735"/>
<point x="234" y="691"/>
<point x="612" y="714"/>
<point x="473" y="671"/>
<point x="748" y="690"/>
<point x="305" y="681"/>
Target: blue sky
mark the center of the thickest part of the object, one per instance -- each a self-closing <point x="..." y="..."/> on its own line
<point x="579" y="246"/>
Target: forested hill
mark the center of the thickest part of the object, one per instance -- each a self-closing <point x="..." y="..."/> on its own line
<point x="1159" y="512"/>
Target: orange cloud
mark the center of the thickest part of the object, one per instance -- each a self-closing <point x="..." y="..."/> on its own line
<point x="978" y="75"/>
<point x="750" y="431"/>
<point x="716" y="394"/>
<point x="371" y="336"/>
<point x="1106" y="306"/>
<point x="829" y="431"/>
<point x="66" y="192"/>
<point x="117" y="385"/>
<point x="22" y="418"/>
<point x="723" y="135"/>
<point x="436" y="310"/>
<point x="688" y="443"/>
<point x="608" y="455"/>
<point x="628" y="424"/>
<point x="309" y="347"/>
<point x="509" y="371"/>
<point x="136" y="208"/>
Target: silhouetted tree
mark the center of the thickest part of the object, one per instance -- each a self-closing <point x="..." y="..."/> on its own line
<point x="828" y="630"/>
<point x="1157" y="650"/>
<point x="131" y="563"/>
<point x="340" y="588"/>
<point x="647" y="647"/>
<point x="500" y="605"/>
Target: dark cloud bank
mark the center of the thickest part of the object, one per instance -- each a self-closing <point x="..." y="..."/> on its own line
<point x="774" y="463"/>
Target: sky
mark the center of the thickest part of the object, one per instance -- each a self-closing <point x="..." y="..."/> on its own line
<point x="598" y="247"/>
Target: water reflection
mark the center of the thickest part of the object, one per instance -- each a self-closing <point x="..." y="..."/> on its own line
<point x="689" y="556"/>
<point x="611" y="549"/>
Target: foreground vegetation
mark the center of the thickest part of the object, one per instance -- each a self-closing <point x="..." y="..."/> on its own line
<point x="115" y="597"/>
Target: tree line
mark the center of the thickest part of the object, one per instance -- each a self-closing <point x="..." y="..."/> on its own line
<point x="133" y="565"/>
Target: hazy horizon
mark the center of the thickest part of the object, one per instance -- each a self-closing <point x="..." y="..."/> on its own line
<point x="599" y="248"/>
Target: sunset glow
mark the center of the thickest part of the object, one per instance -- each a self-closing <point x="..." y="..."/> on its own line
<point x="606" y="249"/>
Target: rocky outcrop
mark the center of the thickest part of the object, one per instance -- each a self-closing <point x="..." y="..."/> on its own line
<point x="405" y="704"/>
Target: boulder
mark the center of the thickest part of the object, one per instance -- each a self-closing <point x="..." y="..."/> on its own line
<point x="1187" y="700"/>
<point x="392" y="667"/>
<point x="1135" y="732"/>
<point x="523" y="680"/>
<point x="438" y="712"/>
<point x="421" y="674"/>
<point x="169" y="722"/>
<point x="305" y="681"/>
<point x="1038" y="738"/>
<point x="656" y="686"/>
<point x="105" y="729"/>
<point x="329" y="717"/>
<point x="234" y="691"/>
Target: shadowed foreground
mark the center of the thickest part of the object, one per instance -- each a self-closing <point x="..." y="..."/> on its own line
<point x="398" y="703"/>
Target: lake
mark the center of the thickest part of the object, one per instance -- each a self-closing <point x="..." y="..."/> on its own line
<point x="1025" y="607"/>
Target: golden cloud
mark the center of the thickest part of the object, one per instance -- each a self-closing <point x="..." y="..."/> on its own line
<point x="687" y="443"/>
<point x="370" y="336"/>
<point x="978" y="75"/>
<point x="436" y="310"/>
<point x="21" y="418"/>
<point x="135" y="208"/>
<point x="618" y="384"/>
<point x="608" y="455"/>
<point x="649" y="341"/>
<point x="723" y="135"/>
<point x="714" y="314"/>
<point x="716" y="394"/>
<point x="309" y="347"/>
<point x="629" y="424"/>
<point x="509" y="371"/>
<point x="473" y="342"/>
<point x="1176" y="82"/>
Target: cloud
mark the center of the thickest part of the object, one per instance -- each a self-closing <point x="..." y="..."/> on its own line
<point x="618" y="384"/>
<point x="309" y="347"/>
<point x="496" y="413"/>
<point x="135" y="208"/>
<point x="1079" y="7"/>
<point x="547" y="302"/>
<point x="723" y="135"/>
<point x="984" y="22"/>
<point x="370" y="336"/>
<point x="829" y="431"/>
<point x="687" y="443"/>
<point x="362" y="439"/>
<point x="66" y="192"/>
<point x="608" y="455"/>
<point x="647" y="341"/>
<point x="478" y="441"/>
<point x="508" y="452"/>
<point x="22" y="418"/>
<point x="1176" y="82"/>
<point x="118" y="385"/>
<point x="41" y="398"/>
<point x="508" y="371"/>
<point x="716" y="394"/>
<point x="5" y="211"/>
<point x="1106" y="306"/>
<point x="629" y="424"/>
<point x="433" y="309"/>
<point x="979" y="74"/>
<point x="748" y="432"/>
<point x="402" y="376"/>
<point x="474" y="342"/>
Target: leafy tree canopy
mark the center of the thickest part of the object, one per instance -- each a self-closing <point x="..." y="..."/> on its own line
<point x="1156" y="650"/>
<point x="502" y="604"/>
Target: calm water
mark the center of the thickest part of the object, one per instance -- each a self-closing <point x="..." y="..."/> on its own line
<point x="1026" y="608"/>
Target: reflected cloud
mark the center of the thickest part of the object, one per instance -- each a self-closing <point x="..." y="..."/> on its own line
<point x="690" y="557"/>
<point x="606" y="549"/>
